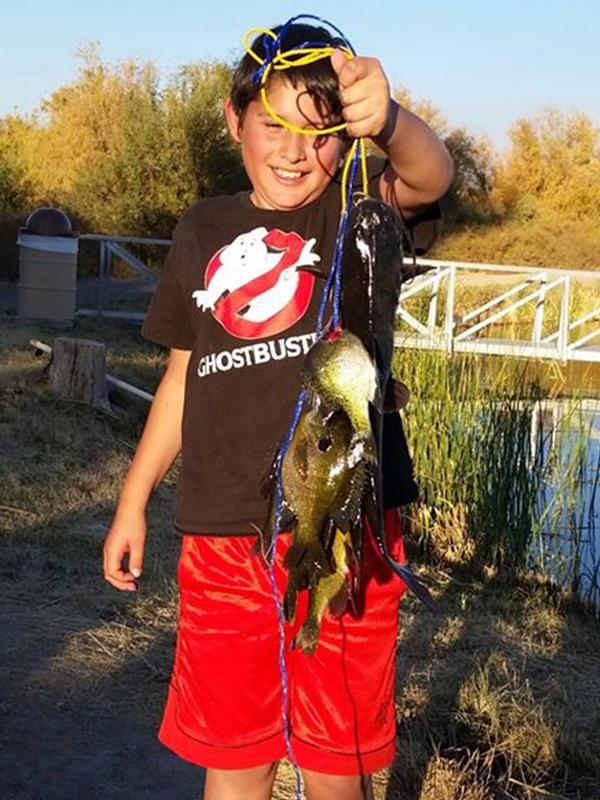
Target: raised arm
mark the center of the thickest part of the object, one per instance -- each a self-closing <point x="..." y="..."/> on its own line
<point x="420" y="168"/>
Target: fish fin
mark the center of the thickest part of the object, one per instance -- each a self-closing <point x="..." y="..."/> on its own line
<point x="348" y="512"/>
<point x="287" y="517"/>
<point x="287" y="520"/>
<point x="354" y="556"/>
<point x="339" y="602"/>
<point x="374" y="514"/>
<point x="308" y="636"/>
<point x="289" y="604"/>
<point x="372" y="505"/>
<point x="395" y="397"/>
<point x="307" y="561"/>
<point x="415" y="584"/>
<point x="267" y="481"/>
<point x="294" y="555"/>
<point x="328" y="538"/>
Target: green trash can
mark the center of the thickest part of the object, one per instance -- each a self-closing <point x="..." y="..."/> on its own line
<point x="47" y="268"/>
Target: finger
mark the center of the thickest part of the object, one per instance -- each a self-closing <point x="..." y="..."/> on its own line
<point x="355" y="112"/>
<point x="354" y="70"/>
<point x="122" y="586"/>
<point x="364" y="127"/>
<point x="347" y="71"/>
<point x="362" y="90"/>
<point x="114" y="565"/>
<point x="136" y="560"/>
<point x="338" y="59"/>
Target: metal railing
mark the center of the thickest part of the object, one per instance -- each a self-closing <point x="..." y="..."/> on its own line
<point x="453" y="329"/>
<point x="445" y="326"/>
<point x="110" y="247"/>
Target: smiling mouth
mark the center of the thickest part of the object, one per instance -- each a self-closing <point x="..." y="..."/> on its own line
<point x="288" y="174"/>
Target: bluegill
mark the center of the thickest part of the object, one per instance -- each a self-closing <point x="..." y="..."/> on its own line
<point x="341" y="376"/>
<point x="322" y="495"/>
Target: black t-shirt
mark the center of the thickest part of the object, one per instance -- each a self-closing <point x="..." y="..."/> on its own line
<point x="230" y="292"/>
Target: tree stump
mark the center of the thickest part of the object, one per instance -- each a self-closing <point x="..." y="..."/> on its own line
<point x="78" y="371"/>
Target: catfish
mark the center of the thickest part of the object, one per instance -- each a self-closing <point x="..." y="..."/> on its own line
<point x="372" y="274"/>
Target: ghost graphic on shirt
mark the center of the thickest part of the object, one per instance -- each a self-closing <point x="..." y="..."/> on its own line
<point x="255" y="286"/>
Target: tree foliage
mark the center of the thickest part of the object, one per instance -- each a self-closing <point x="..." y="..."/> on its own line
<point x="124" y="154"/>
<point x="125" y="151"/>
<point x="553" y="165"/>
<point x="467" y="198"/>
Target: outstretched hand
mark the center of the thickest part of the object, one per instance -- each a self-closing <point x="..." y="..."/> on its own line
<point x="364" y="92"/>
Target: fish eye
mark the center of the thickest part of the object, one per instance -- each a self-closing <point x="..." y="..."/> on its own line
<point x="324" y="444"/>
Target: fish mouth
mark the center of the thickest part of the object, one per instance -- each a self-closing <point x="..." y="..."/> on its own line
<point x="369" y="214"/>
<point x="366" y="214"/>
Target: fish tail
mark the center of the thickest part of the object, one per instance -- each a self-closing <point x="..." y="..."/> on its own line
<point x="374" y="514"/>
<point x="416" y="586"/>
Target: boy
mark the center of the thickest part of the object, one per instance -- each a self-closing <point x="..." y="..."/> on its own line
<point x="238" y="316"/>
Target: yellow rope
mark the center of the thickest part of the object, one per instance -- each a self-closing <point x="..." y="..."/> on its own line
<point x="300" y="57"/>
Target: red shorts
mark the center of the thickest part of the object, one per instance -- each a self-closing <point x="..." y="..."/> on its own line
<point x="224" y="702"/>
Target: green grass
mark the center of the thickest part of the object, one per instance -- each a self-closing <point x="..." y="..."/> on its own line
<point x="481" y="476"/>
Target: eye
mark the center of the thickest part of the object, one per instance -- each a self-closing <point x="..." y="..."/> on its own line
<point x="324" y="444"/>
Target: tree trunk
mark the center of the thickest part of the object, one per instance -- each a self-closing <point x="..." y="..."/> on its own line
<point x="78" y="371"/>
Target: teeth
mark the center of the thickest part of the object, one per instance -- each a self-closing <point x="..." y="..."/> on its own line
<point x="287" y="173"/>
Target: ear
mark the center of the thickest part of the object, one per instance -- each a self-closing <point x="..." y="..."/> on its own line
<point x="234" y="122"/>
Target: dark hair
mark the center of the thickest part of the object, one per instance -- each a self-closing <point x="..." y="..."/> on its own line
<point x="319" y="78"/>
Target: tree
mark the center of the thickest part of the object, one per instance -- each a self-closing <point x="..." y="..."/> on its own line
<point x="467" y="197"/>
<point x="553" y="165"/>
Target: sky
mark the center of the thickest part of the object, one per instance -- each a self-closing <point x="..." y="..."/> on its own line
<point x="484" y="64"/>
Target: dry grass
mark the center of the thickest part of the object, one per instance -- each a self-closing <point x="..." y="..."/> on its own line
<point x="498" y="697"/>
<point x="547" y="240"/>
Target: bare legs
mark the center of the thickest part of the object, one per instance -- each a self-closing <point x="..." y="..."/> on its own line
<point x="256" y="783"/>
<point x="319" y="786"/>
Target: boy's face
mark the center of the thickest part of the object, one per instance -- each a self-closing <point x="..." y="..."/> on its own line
<point x="287" y="169"/>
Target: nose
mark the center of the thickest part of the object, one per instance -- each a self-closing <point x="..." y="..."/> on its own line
<point x="293" y="146"/>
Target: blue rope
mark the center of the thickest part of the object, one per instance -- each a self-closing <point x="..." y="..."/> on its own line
<point x="335" y="274"/>
<point x="278" y="605"/>
<point x="271" y="47"/>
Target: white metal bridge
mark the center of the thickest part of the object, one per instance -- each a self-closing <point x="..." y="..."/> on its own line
<point x="443" y="320"/>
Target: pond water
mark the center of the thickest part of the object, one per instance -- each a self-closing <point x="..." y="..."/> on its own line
<point x="566" y="432"/>
<point x="565" y="435"/>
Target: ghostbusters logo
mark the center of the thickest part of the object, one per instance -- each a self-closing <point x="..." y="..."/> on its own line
<point x="255" y="286"/>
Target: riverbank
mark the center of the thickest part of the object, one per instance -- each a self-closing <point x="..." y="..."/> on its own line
<point x="497" y="697"/>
